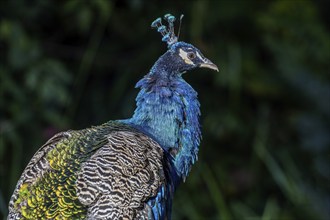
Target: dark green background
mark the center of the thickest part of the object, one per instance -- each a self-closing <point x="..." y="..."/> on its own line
<point x="265" y="116"/>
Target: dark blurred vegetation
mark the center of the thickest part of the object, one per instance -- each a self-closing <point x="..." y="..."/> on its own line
<point x="266" y="115"/>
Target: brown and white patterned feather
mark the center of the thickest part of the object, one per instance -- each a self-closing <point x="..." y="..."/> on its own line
<point x="105" y="172"/>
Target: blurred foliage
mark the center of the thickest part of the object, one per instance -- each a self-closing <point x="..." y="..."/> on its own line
<point x="266" y="115"/>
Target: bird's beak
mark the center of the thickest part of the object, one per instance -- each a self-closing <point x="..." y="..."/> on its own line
<point x="208" y="64"/>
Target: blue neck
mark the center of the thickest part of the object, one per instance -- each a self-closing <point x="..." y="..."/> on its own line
<point x="168" y="109"/>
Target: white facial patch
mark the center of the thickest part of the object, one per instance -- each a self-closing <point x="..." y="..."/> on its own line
<point x="184" y="55"/>
<point x="199" y="56"/>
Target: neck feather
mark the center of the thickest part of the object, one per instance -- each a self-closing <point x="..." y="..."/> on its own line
<point x="168" y="109"/>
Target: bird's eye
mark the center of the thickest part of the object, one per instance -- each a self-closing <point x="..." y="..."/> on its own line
<point x="191" y="55"/>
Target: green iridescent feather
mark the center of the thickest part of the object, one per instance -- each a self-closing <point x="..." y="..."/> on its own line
<point x="54" y="195"/>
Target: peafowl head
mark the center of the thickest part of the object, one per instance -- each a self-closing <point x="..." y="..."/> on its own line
<point x="180" y="56"/>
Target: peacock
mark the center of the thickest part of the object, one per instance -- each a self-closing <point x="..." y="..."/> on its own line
<point x="122" y="169"/>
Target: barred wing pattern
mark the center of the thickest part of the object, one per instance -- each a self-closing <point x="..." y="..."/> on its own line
<point x="106" y="172"/>
<point x="119" y="178"/>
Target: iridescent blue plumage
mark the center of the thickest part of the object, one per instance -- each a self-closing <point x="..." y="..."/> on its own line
<point x="168" y="111"/>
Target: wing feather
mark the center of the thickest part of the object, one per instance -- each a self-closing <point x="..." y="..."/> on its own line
<point x="123" y="174"/>
<point x="105" y="172"/>
<point x="35" y="169"/>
